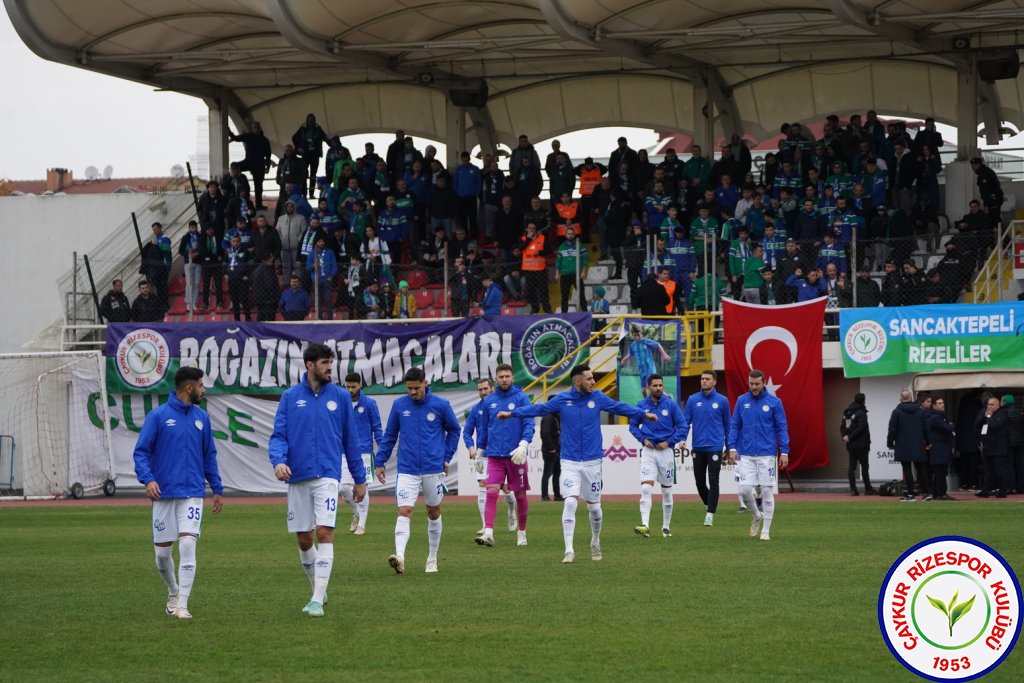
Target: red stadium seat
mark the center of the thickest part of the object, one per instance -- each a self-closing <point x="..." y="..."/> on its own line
<point x="416" y="279"/>
<point x="424" y="298"/>
<point x="433" y="313"/>
<point x="176" y="286"/>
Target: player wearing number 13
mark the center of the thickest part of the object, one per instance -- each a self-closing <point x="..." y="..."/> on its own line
<point x="313" y="429"/>
<point x="580" y="410"/>
<point x="757" y="435"/>
<point x="173" y="456"/>
<point x="429" y="434"/>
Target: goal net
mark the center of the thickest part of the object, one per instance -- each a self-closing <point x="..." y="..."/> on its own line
<point x="54" y="429"/>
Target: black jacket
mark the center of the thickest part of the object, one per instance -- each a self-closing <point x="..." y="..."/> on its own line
<point x="995" y="442"/>
<point x="550" y="436"/>
<point x="906" y="433"/>
<point x="941" y="438"/>
<point x="116" y="308"/>
<point x="147" y="309"/>
<point x="653" y="297"/>
<point x="1016" y="424"/>
<point x="855" y="425"/>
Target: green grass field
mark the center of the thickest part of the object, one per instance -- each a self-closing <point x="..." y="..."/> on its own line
<point x="80" y="598"/>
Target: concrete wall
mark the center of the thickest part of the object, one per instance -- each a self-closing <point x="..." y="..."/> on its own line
<point x="38" y="236"/>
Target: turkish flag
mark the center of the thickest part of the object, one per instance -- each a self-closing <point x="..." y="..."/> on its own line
<point x="783" y="342"/>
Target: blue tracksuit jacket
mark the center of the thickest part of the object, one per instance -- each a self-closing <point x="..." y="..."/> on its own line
<point x="500" y="437"/>
<point x="667" y="428"/>
<point x="758" y="426"/>
<point x="430" y="435"/>
<point x="175" y="449"/>
<point x="708" y="414"/>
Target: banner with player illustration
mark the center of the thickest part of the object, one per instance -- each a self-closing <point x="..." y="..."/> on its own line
<point x="784" y="342"/>
<point x="266" y="358"/>
<point x="648" y="347"/>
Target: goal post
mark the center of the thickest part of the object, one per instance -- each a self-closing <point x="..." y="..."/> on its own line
<point x="51" y="447"/>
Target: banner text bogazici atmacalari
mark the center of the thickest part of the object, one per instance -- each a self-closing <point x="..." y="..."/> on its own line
<point x="265" y="358"/>
<point x="891" y="341"/>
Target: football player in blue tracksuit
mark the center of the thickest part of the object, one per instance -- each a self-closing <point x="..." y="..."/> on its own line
<point x="707" y="412"/>
<point x="471" y="436"/>
<point x="174" y="457"/>
<point x="430" y="435"/>
<point x="367" y="420"/>
<point x="657" y="452"/>
<point x="757" y="434"/>
<point x="506" y="444"/>
<point x="313" y="429"/>
<point x="580" y="411"/>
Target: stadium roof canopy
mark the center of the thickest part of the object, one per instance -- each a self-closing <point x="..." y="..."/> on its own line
<point x="544" y="67"/>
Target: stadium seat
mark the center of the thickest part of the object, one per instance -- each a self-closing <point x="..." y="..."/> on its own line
<point x="598" y="274"/>
<point x="943" y="240"/>
<point x="432" y="313"/>
<point x="507" y="311"/>
<point x="424" y="298"/>
<point x="933" y="261"/>
<point x="476" y="311"/>
<point x="176" y="285"/>
<point x="439" y="301"/>
<point x="416" y="279"/>
<point x="177" y="306"/>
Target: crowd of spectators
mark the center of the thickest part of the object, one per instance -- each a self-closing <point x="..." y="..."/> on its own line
<point x="821" y="217"/>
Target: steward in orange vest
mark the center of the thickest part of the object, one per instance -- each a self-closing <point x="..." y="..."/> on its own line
<point x="568" y="215"/>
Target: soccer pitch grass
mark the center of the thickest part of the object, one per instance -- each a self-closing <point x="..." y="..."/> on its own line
<point x="81" y="599"/>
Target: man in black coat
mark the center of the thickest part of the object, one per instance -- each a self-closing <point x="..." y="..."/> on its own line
<point x="993" y="426"/>
<point x="869" y="294"/>
<point x="115" y="306"/>
<point x="941" y="439"/>
<point x="652" y="297"/>
<point x="907" y="439"/>
<point x="1015" y="416"/>
<point x="857" y="437"/>
<point x="550" y="435"/>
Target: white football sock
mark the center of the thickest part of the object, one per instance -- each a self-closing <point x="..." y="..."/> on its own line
<point x="401" y="535"/>
<point x="186" y="568"/>
<point x="322" y="572"/>
<point x="347" y="496"/>
<point x="747" y="496"/>
<point x="568" y="521"/>
<point x="645" y="504"/>
<point x="595" y="523"/>
<point x="165" y="565"/>
<point x="768" y="506"/>
<point x="481" y="501"/>
<point x="307" y="558"/>
<point x="433" y="538"/>
<point x="510" y="500"/>
<point x="363" y="509"/>
<point x="666" y="507"/>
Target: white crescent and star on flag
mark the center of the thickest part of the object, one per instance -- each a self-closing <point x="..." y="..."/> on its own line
<point x="773" y="333"/>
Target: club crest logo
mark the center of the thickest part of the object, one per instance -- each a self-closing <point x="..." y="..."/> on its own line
<point x="949" y="609"/>
<point x="143" y="357"/>
<point x="431" y="417"/>
<point x="544" y="346"/>
<point x="865" y="342"/>
<point x="198" y="424"/>
<point x="332" y="406"/>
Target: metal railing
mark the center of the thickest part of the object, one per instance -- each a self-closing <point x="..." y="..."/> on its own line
<point x="997" y="270"/>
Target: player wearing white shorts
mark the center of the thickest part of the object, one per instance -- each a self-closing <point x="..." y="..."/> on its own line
<point x="657" y="456"/>
<point x="174" y="457"/>
<point x="367" y="420"/>
<point x="757" y="435"/>
<point x="580" y="410"/>
<point x="429" y="434"/>
<point x="470" y="435"/>
<point x="314" y="428"/>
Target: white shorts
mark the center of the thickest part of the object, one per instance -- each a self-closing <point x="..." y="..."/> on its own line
<point x="312" y="503"/>
<point x="408" y="486"/>
<point x="757" y="470"/>
<point x="658" y="465"/>
<point x="175" y="516"/>
<point x="582" y="479"/>
<point x="346" y="475"/>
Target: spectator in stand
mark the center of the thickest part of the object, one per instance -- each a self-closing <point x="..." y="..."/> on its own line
<point x="652" y="297"/>
<point x="622" y="154"/>
<point x="706" y="293"/>
<point x="493" y="182"/>
<point x="561" y="177"/>
<point x="238" y="267"/>
<point x="212" y="207"/>
<point x="925" y="218"/>
<point x="432" y="255"/>
<point x="903" y="176"/>
<point x="989" y="188"/>
<point x="244" y="234"/>
<point x="856" y="435"/>
<point x="523" y="149"/>
<point x="698" y="170"/>
<point x="538" y="215"/>
<point x="928" y="167"/>
<point x="375" y="255"/>
<point x="156" y="263"/>
<point x="937" y="291"/>
<point x="616" y="216"/>
<point x="257" y="158"/>
<point x="907" y="438"/>
<point x="294" y="301"/>
<point x="322" y="267"/>
<point x="233" y="182"/>
<point x="571" y="262"/>
<point x="915" y="285"/>
<point x="752" y="281"/>
<point x="831" y="252"/>
<point x="993" y="427"/>
<point x="900" y="235"/>
<point x="147" y="307"/>
<point x="290" y="171"/>
<point x="739" y="251"/>
<point x="188" y="248"/>
<point x="869" y="294"/>
<point x="772" y="291"/>
<point x="211" y="258"/>
<point x="493" y="296"/>
<point x="309" y="142"/>
<point x="508" y="226"/>
<point x="683" y="255"/>
<point x="393" y="226"/>
<point x="441" y="205"/>
<point x="567" y="215"/>
<point x="115" y="306"/>
<point x="394" y="156"/>
<point x="928" y="136"/>
<point x="387" y="299"/>
<point x="533" y="251"/>
<point x="892" y="285"/>
<point x="291" y="227"/>
<point x="956" y="269"/>
<point x="370" y="308"/>
<point x="351" y="281"/>
<point x="458" y="244"/>
<point x="265" y="291"/>
<point x="467" y="183"/>
<point x="404" y="307"/>
<point x="941" y="438"/>
<point x="703" y="230"/>
<point x="807" y="288"/>
<point x="266" y="241"/>
<point x="527" y="182"/>
<point x="643" y="173"/>
<point x="462" y="286"/>
<point x="591" y="177"/>
<point x="239" y="207"/>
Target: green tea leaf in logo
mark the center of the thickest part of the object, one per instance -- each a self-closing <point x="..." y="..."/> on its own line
<point x="865" y="341"/>
<point x="959" y="611"/>
<point x="938" y="604"/>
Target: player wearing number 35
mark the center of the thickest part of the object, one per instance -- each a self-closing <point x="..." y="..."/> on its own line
<point x="757" y="435"/>
<point x="314" y="428"/>
<point x="174" y="457"/>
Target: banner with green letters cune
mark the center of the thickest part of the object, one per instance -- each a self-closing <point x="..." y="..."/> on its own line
<point x="896" y="340"/>
<point x="266" y="358"/>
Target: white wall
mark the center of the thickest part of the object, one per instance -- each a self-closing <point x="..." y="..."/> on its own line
<point x="38" y="236"/>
